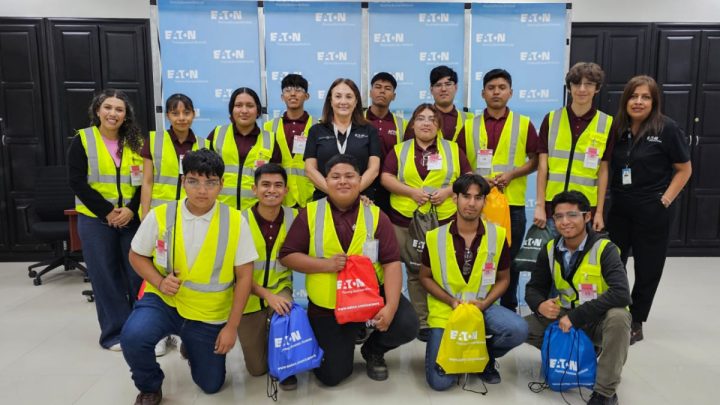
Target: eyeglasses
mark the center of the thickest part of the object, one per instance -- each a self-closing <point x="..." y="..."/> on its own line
<point x="293" y="89"/>
<point x="195" y="183"/>
<point x="443" y="85"/>
<point x="571" y="215"/>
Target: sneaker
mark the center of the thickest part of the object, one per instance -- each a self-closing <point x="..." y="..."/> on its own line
<point x="376" y="368"/>
<point x="636" y="333"/>
<point x="161" y="347"/>
<point x="490" y="375"/>
<point x="289" y="384"/>
<point x="599" y="399"/>
<point x="149" y="398"/>
<point x="423" y="334"/>
<point x="115" y="348"/>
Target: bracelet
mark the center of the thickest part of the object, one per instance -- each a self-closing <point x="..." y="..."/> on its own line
<point x="665" y="201"/>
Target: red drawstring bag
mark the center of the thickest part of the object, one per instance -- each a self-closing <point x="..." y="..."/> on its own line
<point x="358" y="293"/>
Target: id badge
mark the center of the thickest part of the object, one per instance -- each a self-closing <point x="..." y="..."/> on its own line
<point x="626" y="176"/>
<point x="488" y="274"/>
<point x="299" y="143"/>
<point x="484" y="158"/>
<point x="587" y="292"/>
<point x="135" y="175"/>
<point x="434" y="162"/>
<point x="370" y="249"/>
<point x="161" y="253"/>
<point x="260" y="162"/>
<point x="591" y="158"/>
<point x="180" y="163"/>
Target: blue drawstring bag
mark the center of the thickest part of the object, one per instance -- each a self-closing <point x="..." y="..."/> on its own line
<point x="292" y="347"/>
<point x="568" y="359"/>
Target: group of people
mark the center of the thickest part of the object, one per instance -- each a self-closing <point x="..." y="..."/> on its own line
<point x="209" y="230"/>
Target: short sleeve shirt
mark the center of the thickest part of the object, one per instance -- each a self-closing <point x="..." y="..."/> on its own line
<point x="362" y="142"/>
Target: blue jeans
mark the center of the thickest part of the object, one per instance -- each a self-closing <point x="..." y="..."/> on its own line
<point x="115" y="284"/>
<point x="152" y="320"/>
<point x="518" y="221"/>
<point x="507" y="328"/>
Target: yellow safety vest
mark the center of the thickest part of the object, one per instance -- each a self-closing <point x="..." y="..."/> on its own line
<point x="462" y="117"/>
<point x="206" y="292"/>
<point x="512" y="142"/>
<point x="566" y="169"/>
<point x="399" y="129"/>
<point x="268" y="272"/>
<point x="589" y="272"/>
<point x="436" y="179"/>
<point x="115" y="185"/>
<point x="166" y="169"/>
<point x="300" y="188"/>
<point x="238" y="194"/>
<point x="324" y="243"/>
<point x="446" y="270"/>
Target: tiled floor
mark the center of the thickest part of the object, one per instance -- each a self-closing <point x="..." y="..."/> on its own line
<point x="49" y="355"/>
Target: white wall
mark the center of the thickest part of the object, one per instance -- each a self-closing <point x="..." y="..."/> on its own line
<point x="583" y="10"/>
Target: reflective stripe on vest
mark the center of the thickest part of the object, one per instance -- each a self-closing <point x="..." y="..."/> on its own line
<point x="568" y="295"/>
<point x="300" y="188"/>
<point x="214" y="285"/>
<point x="399" y="129"/>
<point x="166" y="178"/>
<point x="479" y="140"/>
<point x="320" y="225"/>
<point x="459" y="124"/>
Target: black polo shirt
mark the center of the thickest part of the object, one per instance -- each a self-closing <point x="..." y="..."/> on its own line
<point x="650" y="160"/>
<point x="362" y="142"/>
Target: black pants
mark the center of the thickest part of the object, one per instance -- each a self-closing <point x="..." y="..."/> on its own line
<point x="641" y="227"/>
<point x="518" y="221"/>
<point x="338" y="341"/>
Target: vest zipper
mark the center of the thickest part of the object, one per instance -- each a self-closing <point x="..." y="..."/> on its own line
<point x="266" y="277"/>
<point x="117" y="184"/>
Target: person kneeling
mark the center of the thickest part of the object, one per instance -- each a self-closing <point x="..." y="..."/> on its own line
<point x="196" y="256"/>
<point x="468" y="260"/>
<point x="586" y="270"/>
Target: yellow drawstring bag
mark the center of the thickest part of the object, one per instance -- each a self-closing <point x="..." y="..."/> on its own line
<point x="497" y="210"/>
<point x="463" y="348"/>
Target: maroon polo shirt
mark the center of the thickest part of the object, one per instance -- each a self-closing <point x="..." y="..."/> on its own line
<point x="246" y="142"/>
<point x="459" y="246"/>
<point x="294" y="127"/>
<point x="298" y="237"/>
<point x="494" y="127"/>
<point x="269" y="229"/>
<point x="449" y="120"/>
<point x="181" y="148"/>
<point x="386" y="130"/>
<point x="391" y="166"/>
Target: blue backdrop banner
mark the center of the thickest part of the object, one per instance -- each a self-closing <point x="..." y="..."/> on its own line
<point x="208" y="49"/>
<point x="408" y="40"/>
<point x="321" y="41"/>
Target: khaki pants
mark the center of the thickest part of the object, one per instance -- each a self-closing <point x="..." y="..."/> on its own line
<point x="417" y="293"/>
<point x="612" y="334"/>
<point x="253" y="336"/>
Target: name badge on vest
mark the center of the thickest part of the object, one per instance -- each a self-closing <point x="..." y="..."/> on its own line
<point x="135" y="175"/>
<point x="161" y="253"/>
<point x="587" y="292"/>
<point x="370" y="249"/>
<point x="434" y="162"/>
<point x="626" y="176"/>
<point x="591" y="158"/>
<point x="484" y="158"/>
<point x="299" y="143"/>
<point x="180" y="159"/>
<point x="261" y="159"/>
<point x="488" y="274"/>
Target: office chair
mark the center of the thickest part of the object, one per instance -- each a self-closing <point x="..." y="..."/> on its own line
<point x="49" y="222"/>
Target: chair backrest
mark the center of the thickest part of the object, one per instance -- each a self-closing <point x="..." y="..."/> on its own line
<point x="53" y="194"/>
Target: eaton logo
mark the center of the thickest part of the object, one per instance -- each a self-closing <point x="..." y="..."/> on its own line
<point x="226" y="15"/>
<point x="479" y="75"/>
<point x="197" y="113"/>
<point x="275" y="75"/>
<point x="288" y="340"/>
<point x="321" y="94"/>
<point x="332" y="56"/>
<point x="535" y="56"/>
<point x="331" y="17"/>
<point x="535" y="18"/>
<point x="463" y="335"/>
<point x="433" y="18"/>
<point x="534" y="94"/>
<point x="183" y="74"/>
<point x="570" y="365"/>
<point x="350" y="284"/>
<point x="490" y="38"/>
<point x="181" y="35"/>
<point x="389" y="38"/>
<point x="285" y="37"/>
<point x="223" y="93"/>
<point x="399" y="76"/>
<point x="228" y="54"/>
<point x="533" y="242"/>
<point x="435" y="56"/>
<point x="423" y="95"/>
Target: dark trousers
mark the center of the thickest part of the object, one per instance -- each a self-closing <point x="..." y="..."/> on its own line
<point x="518" y="221"/>
<point x="641" y="227"/>
<point x="338" y="341"/>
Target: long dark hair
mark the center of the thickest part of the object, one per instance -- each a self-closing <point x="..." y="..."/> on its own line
<point x="358" y="118"/>
<point x="129" y="133"/>
<point x="655" y="122"/>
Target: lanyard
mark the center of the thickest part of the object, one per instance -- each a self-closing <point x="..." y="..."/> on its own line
<point x="631" y="148"/>
<point x="342" y="147"/>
